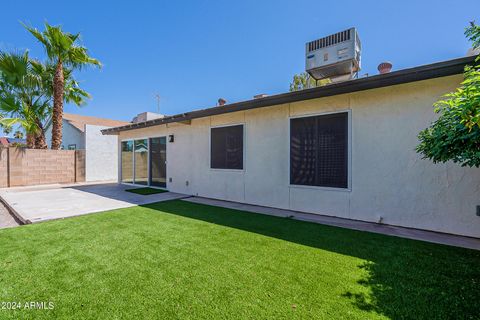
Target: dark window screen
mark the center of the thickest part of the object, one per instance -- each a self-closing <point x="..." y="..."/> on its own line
<point x="319" y="151"/>
<point x="226" y="149"/>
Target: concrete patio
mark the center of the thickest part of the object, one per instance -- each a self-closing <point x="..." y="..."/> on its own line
<point x="6" y="219"/>
<point x="48" y="202"/>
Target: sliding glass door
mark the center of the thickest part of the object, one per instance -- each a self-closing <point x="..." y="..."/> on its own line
<point x="144" y="162"/>
<point x="141" y="162"/>
<point x="127" y="161"/>
<point x="158" y="162"/>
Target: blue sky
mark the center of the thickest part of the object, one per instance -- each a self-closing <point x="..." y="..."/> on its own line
<point x="193" y="52"/>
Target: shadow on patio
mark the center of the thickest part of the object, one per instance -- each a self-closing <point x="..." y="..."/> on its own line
<point x="406" y="278"/>
<point x="117" y="191"/>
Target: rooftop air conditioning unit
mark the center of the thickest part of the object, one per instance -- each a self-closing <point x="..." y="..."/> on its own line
<point x="336" y="56"/>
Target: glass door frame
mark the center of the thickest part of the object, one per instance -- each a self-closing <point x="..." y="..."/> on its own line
<point x="148" y="162"/>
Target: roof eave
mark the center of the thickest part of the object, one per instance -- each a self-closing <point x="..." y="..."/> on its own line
<point x="430" y="71"/>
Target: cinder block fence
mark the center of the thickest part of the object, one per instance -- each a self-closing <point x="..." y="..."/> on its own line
<point x="27" y="167"/>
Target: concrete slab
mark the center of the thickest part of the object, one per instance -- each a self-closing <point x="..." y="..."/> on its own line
<point x="416" y="234"/>
<point x="6" y="219"/>
<point x="43" y="203"/>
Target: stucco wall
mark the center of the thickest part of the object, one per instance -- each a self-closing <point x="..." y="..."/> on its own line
<point x="388" y="178"/>
<point x="70" y="135"/>
<point x="101" y="155"/>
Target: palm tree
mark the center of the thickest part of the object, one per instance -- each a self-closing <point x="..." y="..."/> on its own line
<point x="23" y="97"/>
<point x="18" y="134"/>
<point x="63" y="51"/>
<point x="26" y="95"/>
<point x="6" y="130"/>
<point x="304" y="81"/>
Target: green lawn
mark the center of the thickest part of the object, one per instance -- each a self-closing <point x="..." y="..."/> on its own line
<point x="146" y="191"/>
<point x="181" y="260"/>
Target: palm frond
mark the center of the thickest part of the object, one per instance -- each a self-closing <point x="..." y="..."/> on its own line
<point x="37" y="34"/>
<point x="9" y="103"/>
<point x="14" y="65"/>
<point x="60" y="41"/>
<point x="9" y="122"/>
<point x="78" y="58"/>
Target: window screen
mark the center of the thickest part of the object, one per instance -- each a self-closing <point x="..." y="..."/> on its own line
<point x="319" y="151"/>
<point x="226" y="148"/>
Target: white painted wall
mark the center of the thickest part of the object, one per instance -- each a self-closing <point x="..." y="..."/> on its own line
<point x="101" y="156"/>
<point x="388" y="178"/>
<point x="70" y="135"/>
<point x="101" y="152"/>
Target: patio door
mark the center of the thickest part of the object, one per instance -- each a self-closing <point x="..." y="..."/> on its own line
<point x="140" y="161"/>
<point x="127" y="161"/>
<point x="158" y="162"/>
<point x="134" y="158"/>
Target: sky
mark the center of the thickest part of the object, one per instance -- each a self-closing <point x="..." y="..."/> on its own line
<point x="193" y="52"/>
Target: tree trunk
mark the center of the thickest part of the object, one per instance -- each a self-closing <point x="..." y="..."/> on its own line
<point x="57" y="115"/>
<point x="40" y="141"/>
<point x="30" y="140"/>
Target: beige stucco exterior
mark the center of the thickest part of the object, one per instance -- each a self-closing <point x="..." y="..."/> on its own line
<point x="388" y="179"/>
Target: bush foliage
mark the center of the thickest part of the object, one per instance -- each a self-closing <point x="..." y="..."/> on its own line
<point x="455" y="135"/>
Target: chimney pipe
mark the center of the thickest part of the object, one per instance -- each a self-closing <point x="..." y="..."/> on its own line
<point x="221" y="102"/>
<point x="385" y="67"/>
<point x="473" y="52"/>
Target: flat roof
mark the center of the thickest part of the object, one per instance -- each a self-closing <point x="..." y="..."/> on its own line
<point x="424" y="72"/>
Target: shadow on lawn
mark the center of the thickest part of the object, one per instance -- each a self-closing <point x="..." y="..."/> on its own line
<point x="406" y="278"/>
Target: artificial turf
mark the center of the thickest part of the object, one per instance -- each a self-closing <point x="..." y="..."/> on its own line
<point x="146" y="191"/>
<point x="177" y="259"/>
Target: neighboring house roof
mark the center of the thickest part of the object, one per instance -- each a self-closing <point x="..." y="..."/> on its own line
<point x="4" y="141"/>
<point x="79" y="121"/>
<point x="429" y="71"/>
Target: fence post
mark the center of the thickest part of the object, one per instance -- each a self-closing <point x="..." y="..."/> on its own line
<point x="75" y="166"/>
<point x="8" y="167"/>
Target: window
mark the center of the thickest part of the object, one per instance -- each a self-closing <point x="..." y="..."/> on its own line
<point x="226" y="147"/>
<point x="319" y="151"/>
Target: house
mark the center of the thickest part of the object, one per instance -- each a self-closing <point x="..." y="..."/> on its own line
<point x="4" y="141"/>
<point x="345" y="150"/>
<point x="84" y="132"/>
<point x="75" y="127"/>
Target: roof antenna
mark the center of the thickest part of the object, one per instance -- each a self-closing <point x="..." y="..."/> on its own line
<point x="157" y="96"/>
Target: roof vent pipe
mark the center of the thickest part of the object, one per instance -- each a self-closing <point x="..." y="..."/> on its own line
<point x="473" y="52"/>
<point x="385" y="67"/>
